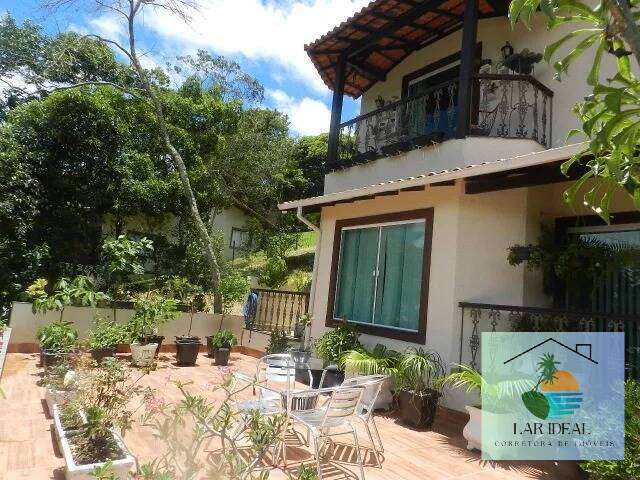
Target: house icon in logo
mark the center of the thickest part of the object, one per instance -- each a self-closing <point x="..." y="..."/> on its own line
<point x="557" y="393"/>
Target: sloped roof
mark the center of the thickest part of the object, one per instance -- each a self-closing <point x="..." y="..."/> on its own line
<point x="384" y="33"/>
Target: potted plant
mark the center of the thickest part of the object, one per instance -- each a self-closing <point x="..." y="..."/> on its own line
<point x="419" y="381"/>
<point x="57" y="341"/>
<point x="187" y="346"/>
<point x="379" y="361"/>
<point x="104" y="405"/>
<point x="222" y="342"/>
<point x="151" y="310"/>
<point x="499" y="392"/>
<point x="105" y="338"/>
<point x="278" y="342"/>
<point x="522" y="62"/>
<point x="60" y="385"/>
<point x="332" y="346"/>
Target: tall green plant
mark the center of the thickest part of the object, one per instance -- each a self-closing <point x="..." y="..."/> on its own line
<point x="610" y="116"/>
<point x="336" y="342"/>
<point x="420" y="371"/>
<point x="151" y="310"/>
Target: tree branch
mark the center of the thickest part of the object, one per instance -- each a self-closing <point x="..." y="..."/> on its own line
<point x="622" y="14"/>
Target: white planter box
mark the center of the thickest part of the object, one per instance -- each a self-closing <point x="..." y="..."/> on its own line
<point x="56" y="397"/>
<point x="57" y="423"/>
<point x="143" y="355"/>
<point x="121" y="468"/>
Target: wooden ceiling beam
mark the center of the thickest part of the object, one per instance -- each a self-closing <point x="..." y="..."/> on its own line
<point x="444" y="13"/>
<point x="373" y="72"/>
<point x="393" y="25"/>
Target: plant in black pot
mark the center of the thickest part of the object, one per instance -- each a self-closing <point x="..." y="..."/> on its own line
<point x="332" y="346"/>
<point x="187" y="346"/>
<point x="105" y="338"/>
<point x="222" y="342"/>
<point x="419" y="382"/>
<point x="57" y="342"/>
<point x="522" y="62"/>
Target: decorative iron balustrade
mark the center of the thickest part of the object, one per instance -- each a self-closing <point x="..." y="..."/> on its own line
<point x="508" y="106"/>
<point x="279" y="310"/>
<point x="480" y="317"/>
<point x="400" y="126"/>
<point x="512" y="106"/>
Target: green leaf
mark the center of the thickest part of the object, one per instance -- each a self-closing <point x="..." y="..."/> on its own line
<point x="536" y="403"/>
<point x="551" y="49"/>
<point x="594" y="73"/>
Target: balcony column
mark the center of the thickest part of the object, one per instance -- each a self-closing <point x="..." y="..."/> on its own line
<point x="336" y="113"/>
<point x="467" y="66"/>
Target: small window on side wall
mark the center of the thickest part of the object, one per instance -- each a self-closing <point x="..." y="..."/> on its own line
<point x="380" y="272"/>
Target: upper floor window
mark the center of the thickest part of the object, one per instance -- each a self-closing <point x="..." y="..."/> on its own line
<point x="380" y="275"/>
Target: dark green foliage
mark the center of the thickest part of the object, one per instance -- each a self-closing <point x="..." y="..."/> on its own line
<point x="337" y="342"/>
<point x="106" y="334"/>
<point x="58" y="336"/>
<point x="224" y="339"/>
<point x="278" y="342"/>
<point x="630" y="466"/>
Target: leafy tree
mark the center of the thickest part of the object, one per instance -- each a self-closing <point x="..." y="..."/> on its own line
<point x="611" y="115"/>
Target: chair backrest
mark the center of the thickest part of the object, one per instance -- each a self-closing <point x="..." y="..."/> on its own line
<point x="276" y="368"/>
<point x="372" y="384"/>
<point x="342" y="405"/>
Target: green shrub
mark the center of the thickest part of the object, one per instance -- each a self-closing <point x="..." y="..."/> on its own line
<point x="630" y="466"/>
<point x="300" y="281"/>
<point x="224" y="339"/>
<point x="337" y="342"/>
<point x="274" y="272"/>
<point x="278" y="342"/>
<point x="58" y="336"/>
<point x="106" y="334"/>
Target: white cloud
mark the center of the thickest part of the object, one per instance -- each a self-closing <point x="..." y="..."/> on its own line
<point x="307" y="116"/>
<point x="272" y="30"/>
<point x="109" y="26"/>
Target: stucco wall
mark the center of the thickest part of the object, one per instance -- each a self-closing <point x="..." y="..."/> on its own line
<point x="493" y="33"/>
<point x="471" y="237"/>
<point x="25" y="324"/>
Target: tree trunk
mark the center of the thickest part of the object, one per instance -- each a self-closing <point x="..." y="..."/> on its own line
<point x="203" y="234"/>
<point x="622" y="14"/>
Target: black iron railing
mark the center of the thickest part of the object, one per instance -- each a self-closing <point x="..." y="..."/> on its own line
<point x="279" y="310"/>
<point x="508" y="106"/>
<point x="481" y="317"/>
<point x="512" y="106"/>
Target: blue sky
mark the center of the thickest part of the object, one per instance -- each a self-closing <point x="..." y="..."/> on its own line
<point x="266" y="37"/>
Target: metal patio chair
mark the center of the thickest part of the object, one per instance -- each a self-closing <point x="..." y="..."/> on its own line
<point x="372" y="385"/>
<point x="275" y="370"/>
<point x="339" y="412"/>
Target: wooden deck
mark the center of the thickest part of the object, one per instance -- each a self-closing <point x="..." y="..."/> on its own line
<point x="27" y="448"/>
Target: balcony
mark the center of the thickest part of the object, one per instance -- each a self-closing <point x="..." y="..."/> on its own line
<point x="502" y="106"/>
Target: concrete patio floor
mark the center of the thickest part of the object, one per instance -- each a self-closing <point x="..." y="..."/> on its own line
<point x="28" y="451"/>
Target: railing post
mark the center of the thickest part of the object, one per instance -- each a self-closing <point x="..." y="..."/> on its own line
<point x="467" y="66"/>
<point x="336" y="114"/>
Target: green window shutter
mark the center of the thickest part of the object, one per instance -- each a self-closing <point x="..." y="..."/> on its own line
<point x="400" y="276"/>
<point x="356" y="279"/>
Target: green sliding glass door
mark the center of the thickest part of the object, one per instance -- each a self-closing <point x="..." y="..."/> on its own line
<point x="380" y="275"/>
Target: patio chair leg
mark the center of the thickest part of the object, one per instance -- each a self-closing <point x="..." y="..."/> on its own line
<point x="374" y="448"/>
<point x="316" y="445"/>
<point x="358" y="455"/>
<point x="377" y="435"/>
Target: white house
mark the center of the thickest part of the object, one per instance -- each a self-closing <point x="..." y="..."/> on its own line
<point x="457" y="159"/>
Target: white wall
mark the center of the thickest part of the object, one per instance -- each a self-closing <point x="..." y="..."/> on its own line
<point x="25" y="324"/>
<point x="471" y="237"/>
